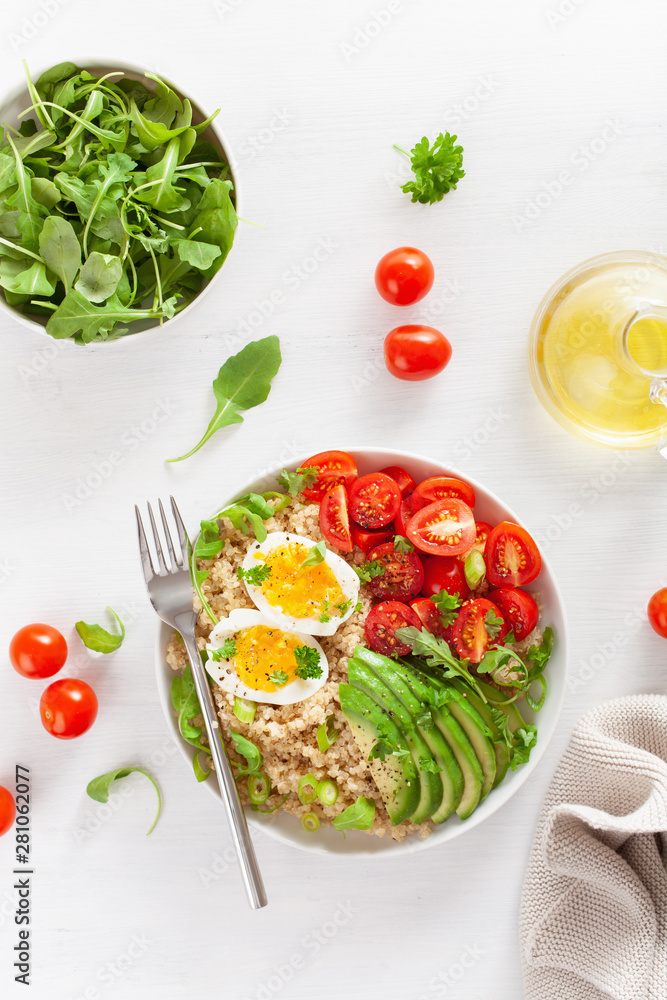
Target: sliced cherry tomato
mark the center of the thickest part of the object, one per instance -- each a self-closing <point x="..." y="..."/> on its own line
<point x="367" y="540"/>
<point x="444" y="573"/>
<point x="334" y="468"/>
<point x="511" y="556"/>
<point x="68" y="708"/>
<point x="334" y="519"/>
<point x="374" y="500"/>
<point x="469" y="634"/>
<point x="444" y="528"/>
<point x="439" y="488"/>
<point x="404" y="276"/>
<point x="430" y="617"/>
<point x="482" y="531"/>
<point x="657" y="612"/>
<point x="403" y="479"/>
<point x="414" y="353"/>
<point x="403" y="573"/>
<point x="7" y="810"/>
<point x="403" y="516"/>
<point x="518" y="609"/>
<point x="382" y="622"/>
<point x="38" y="651"/>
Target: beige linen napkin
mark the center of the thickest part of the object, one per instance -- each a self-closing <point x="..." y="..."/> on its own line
<point x="594" y="906"/>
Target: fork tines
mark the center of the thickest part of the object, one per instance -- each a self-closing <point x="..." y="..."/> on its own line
<point x="177" y="554"/>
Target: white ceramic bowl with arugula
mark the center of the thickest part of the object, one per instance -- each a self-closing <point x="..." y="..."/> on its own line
<point x="118" y="231"/>
<point x="287" y="828"/>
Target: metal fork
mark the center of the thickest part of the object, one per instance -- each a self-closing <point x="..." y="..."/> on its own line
<point x="170" y="593"/>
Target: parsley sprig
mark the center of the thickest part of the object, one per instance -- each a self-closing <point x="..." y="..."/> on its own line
<point x="255" y="576"/>
<point x="368" y="570"/>
<point x="437" y="168"/>
<point x="308" y="662"/>
<point x="448" y="605"/>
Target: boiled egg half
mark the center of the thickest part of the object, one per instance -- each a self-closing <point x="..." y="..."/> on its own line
<point x="250" y="656"/>
<point x="314" y="599"/>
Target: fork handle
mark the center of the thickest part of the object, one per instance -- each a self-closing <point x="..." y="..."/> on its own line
<point x="245" y="850"/>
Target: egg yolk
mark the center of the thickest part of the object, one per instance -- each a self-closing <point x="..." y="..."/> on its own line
<point x="300" y="591"/>
<point x="262" y="649"/>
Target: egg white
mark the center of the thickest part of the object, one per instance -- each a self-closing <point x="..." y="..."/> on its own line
<point x="223" y="671"/>
<point x="347" y="579"/>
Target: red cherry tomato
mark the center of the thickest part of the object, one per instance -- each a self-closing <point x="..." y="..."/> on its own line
<point x="382" y="623"/>
<point x="38" y="651"/>
<point x="482" y="531"/>
<point x="518" y="609"/>
<point x="374" y="500"/>
<point x="367" y="540"/>
<point x="657" y="612"/>
<point x="511" y="556"/>
<point x="7" y="810"/>
<point x="415" y="353"/>
<point x="444" y="573"/>
<point x="334" y="519"/>
<point x="403" y="516"/>
<point x="430" y="617"/>
<point x="444" y="528"/>
<point x="403" y="573"/>
<point x="403" y="479"/>
<point x="335" y="467"/>
<point x="404" y="276"/>
<point x="470" y="635"/>
<point x="439" y="488"/>
<point x="68" y="708"/>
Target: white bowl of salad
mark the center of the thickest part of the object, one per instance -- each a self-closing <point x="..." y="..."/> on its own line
<point x="410" y="704"/>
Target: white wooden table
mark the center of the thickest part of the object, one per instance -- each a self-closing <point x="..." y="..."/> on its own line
<point x="313" y="97"/>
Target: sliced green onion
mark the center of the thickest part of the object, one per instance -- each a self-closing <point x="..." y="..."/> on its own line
<point x="310" y="822"/>
<point x="259" y="788"/>
<point x="537" y="705"/>
<point x="308" y="788"/>
<point x="327" y="793"/>
<point x="474" y="568"/>
<point x="244" y="710"/>
<point x="327" y="734"/>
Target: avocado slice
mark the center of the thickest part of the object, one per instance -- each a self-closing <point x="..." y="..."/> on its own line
<point x="397" y="779"/>
<point x="461" y="747"/>
<point x="500" y="747"/>
<point x="451" y="774"/>
<point x="476" y="730"/>
<point x="365" y="679"/>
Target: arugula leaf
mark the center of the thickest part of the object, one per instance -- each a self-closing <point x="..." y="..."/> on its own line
<point x="98" y="788"/>
<point x="99" y="276"/>
<point x="243" y="381"/>
<point x="97" y="638"/>
<point x="369" y="570"/>
<point x="437" y="168"/>
<point x="438" y="654"/>
<point x="246" y="748"/>
<point x="279" y="678"/>
<point x="315" y="556"/>
<point x="255" y="576"/>
<point x="209" y="543"/>
<point x="492" y="624"/>
<point x="402" y="544"/>
<point x="502" y="724"/>
<point x="358" y="816"/>
<point x="296" y="482"/>
<point x="448" y="605"/>
<point x="59" y="246"/>
<point x="527" y="738"/>
<point x="538" y="654"/>
<point x="308" y="662"/>
<point x="16" y="278"/>
<point x="185" y="701"/>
